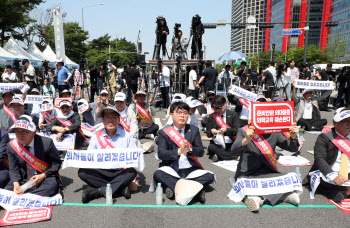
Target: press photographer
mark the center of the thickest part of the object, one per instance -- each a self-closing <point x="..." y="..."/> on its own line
<point x="197" y="31"/>
<point x="180" y="43"/>
<point x="29" y="74"/>
<point x="162" y="32"/>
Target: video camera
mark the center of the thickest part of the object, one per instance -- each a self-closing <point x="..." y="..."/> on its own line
<point x="346" y="69"/>
<point x="45" y="64"/>
<point x="159" y="22"/>
<point x="196" y="19"/>
<point x="104" y="67"/>
<point x="15" y="63"/>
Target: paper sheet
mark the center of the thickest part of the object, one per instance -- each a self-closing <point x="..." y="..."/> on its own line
<point x="293" y="161"/>
<point x="229" y="165"/>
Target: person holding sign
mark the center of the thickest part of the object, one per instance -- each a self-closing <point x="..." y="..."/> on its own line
<point x="179" y="146"/>
<point x="47" y="115"/>
<point x="18" y="110"/>
<point x="88" y="111"/>
<point x="112" y="136"/>
<point x="67" y="122"/>
<point x="128" y="118"/>
<point x="222" y="123"/>
<point x="145" y="114"/>
<point x="32" y="157"/>
<point x="4" y="162"/>
<point x="258" y="163"/>
<point x="308" y="114"/>
<point x="67" y="94"/>
<point x="6" y="111"/>
<point x="332" y="151"/>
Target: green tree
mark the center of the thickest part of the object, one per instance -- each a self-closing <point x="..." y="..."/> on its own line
<point x="337" y="46"/>
<point x="14" y="16"/>
<point x="74" y="39"/>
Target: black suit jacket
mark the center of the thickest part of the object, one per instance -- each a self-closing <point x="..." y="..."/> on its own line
<point x="44" y="149"/>
<point x="4" y="139"/>
<point x="167" y="149"/>
<point x="232" y="120"/>
<point x="325" y="153"/>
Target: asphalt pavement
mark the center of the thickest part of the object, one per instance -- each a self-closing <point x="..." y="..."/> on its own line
<point x="218" y="211"/>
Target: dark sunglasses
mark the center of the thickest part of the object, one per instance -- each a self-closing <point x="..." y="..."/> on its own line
<point x="217" y="108"/>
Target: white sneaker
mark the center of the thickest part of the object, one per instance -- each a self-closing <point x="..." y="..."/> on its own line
<point x="293" y="199"/>
<point x="253" y="202"/>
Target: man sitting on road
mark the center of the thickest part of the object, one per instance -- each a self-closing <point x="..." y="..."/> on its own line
<point x="222" y="123"/>
<point x="44" y="165"/>
<point x="145" y="114"/>
<point x="67" y="122"/>
<point x="47" y="115"/>
<point x="113" y="136"/>
<point x="332" y="151"/>
<point x="180" y="157"/>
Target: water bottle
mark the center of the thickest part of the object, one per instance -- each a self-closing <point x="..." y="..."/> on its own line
<point x="27" y="185"/>
<point x="109" y="200"/>
<point x="301" y="140"/>
<point x="199" y="125"/>
<point x="297" y="171"/>
<point x="159" y="194"/>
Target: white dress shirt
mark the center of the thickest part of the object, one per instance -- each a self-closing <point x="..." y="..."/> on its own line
<point x="183" y="161"/>
<point x="165" y="77"/>
<point x="307" y="114"/>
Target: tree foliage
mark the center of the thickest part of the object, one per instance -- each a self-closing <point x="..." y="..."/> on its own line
<point x="14" y="17"/>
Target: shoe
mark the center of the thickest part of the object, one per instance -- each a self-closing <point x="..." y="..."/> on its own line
<point x="90" y="194"/>
<point x="338" y="196"/>
<point x="215" y="158"/>
<point x="169" y="193"/>
<point x="253" y="202"/>
<point x="293" y="199"/>
<point x="126" y="193"/>
<point x="201" y="196"/>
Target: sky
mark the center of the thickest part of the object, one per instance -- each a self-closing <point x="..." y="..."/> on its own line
<point x="126" y="18"/>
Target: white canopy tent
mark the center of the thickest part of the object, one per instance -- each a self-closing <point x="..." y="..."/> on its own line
<point x="6" y="57"/>
<point x="34" y="50"/>
<point x="13" y="47"/>
<point x="51" y="56"/>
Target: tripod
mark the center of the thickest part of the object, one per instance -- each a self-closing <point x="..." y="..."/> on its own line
<point x="156" y="52"/>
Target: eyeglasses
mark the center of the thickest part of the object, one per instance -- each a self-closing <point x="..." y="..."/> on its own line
<point x="104" y="95"/>
<point x="182" y="113"/>
<point x="217" y="108"/>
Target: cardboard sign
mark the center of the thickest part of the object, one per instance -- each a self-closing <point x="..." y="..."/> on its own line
<point x="343" y="205"/>
<point x="33" y="99"/>
<point x="67" y="142"/>
<point x="272" y="117"/>
<point x="22" y="216"/>
<point x="58" y="100"/>
<point x="240" y="92"/>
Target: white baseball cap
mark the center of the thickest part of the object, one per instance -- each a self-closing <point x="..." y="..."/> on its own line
<point x="66" y="91"/>
<point x="17" y="100"/>
<point x="339" y="115"/>
<point x="308" y="90"/>
<point x="119" y="96"/>
<point x="104" y="91"/>
<point x="141" y="92"/>
<point x="65" y="102"/>
<point x="24" y="122"/>
<point x="108" y="108"/>
<point x="60" y="60"/>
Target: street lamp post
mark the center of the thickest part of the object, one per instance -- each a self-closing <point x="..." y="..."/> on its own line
<point x="306" y="42"/>
<point x="82" y="12"/>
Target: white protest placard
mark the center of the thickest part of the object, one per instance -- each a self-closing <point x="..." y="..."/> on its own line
<point x="11" y="201"/>
<point x="235" y="90"/>
<point x="315" y="85"/>
<point x="265" y="186"/>
<point x="67" y="142"/>
<point x="229" y="165"/>
<point x="33" y="99"/>
<point x="293" y="161"/>
<point x="115" y="158"/>
<point x="4" y="87"/>
<point x="58" y="100"/>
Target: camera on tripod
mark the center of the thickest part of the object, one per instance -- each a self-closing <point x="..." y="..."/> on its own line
<point x="16" y="63"/>
<point x="45" y="64"/>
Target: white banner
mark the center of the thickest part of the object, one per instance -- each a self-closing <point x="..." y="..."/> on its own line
<point x="33" y="99"/>
<point x="59" y="34"/>
<point x="11" y="201"/>
<point x="115" y="158"/>
<point x="235" y="90"/>
<point x="4" y="87"/>
<point x="66" y="143"/>
<point x="316" y="85"/>
<point x="265" y="186"/>
<point x="315" y="179"/>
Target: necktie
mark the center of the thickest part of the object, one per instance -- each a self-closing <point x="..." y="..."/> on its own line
<point x="175" y="164"/>
<point x="344" y="164"/>
<point x="30" y="169"/>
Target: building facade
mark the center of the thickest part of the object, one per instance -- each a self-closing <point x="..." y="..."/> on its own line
<point x="340" y="11"/>
<point x="248" y="40"/>
<point x="295" y="11"/>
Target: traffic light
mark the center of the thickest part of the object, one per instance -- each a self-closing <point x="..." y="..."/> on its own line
<point x="237" y="26"/>
<point x="266" y="26"/>
<point x="332" y="24"/>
